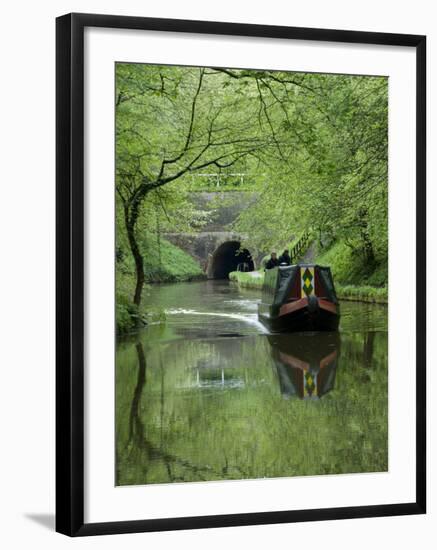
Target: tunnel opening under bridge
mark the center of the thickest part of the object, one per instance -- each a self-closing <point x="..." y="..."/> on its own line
<point x="229" y="256"/>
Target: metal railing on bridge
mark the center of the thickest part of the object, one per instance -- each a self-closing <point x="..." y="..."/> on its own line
<point x="300" y="247"/>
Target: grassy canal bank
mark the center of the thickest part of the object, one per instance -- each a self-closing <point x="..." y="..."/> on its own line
<point x="344" y="292"/>
<point x="163" y="263"/>
<point x="354" y="278"/>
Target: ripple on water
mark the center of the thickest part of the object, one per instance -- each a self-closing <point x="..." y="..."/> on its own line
<point x="244" y="319"/>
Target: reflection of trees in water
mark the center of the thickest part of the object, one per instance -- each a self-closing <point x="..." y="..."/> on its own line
<point x="171" y="430"/>
<point x="142" y="450"/>
<point x="369" y="341"/>
<point x="136" y="428"/>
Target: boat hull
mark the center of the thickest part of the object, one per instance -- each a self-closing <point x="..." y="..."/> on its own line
<point x="307" y="314"/>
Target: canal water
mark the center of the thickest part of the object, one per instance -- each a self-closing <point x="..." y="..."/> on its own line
<point x="211" y="395"/>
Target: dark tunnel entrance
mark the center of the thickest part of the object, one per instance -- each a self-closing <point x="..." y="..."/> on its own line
<point x="229" y="257"/>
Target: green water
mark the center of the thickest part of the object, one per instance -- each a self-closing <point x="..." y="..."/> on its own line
<point x="211" y="395"/>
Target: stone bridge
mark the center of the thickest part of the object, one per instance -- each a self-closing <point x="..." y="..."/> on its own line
<point x="217" y="248"/>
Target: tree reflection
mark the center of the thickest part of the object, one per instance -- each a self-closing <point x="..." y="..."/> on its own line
<point x="140" y="443"/>
<point x="369" y="339"/>
<point x="250" y="407"/>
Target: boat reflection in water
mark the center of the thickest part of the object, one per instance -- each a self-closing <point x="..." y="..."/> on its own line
<point x="305" y="363"/>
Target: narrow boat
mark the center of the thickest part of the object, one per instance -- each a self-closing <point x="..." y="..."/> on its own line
<point x="299" y="298"/>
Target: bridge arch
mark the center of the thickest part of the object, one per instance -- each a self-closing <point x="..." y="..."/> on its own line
<point x="226" y="258"/>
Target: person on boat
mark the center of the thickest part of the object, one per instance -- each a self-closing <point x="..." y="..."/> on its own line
<point x="273" y="261"/>
<point x="284" y="258"/>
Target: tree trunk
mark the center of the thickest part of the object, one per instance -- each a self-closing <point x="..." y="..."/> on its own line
<point x="370" y="255"/>
<point x="138" y="258"/>
<point x="158" y="239"/>
<point x="368" y="247"/>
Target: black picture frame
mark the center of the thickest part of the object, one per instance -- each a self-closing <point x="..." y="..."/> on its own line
<point x="70" y="273"/>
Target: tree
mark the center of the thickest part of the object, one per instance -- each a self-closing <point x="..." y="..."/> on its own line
<point x="334" y="174"/>
<point x="317" y="142"/>
<point x="171" y="122"/>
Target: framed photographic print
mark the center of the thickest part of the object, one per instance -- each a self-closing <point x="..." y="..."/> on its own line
<point x="240" y="274"/>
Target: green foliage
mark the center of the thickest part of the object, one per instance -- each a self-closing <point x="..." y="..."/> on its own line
<point x="162" y="263"/>
<point x="176" y="122"/>
<point x="125" y="313"/>
<point x="333" y="177"/>
<point x="313" y="147"/>
<point x="356" y="293"/>
<point x="254" y="279"/>
<point x="350" y="266"/>
<point x="168" y="263"/>
<point x="171" y="122"/>
<point x="170" y="428"/>
<point x="128" y="315"/>
<point x="362" y="293"/>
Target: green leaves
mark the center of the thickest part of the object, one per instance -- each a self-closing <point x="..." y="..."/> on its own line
<point x="333" y="134"/>
<point x="314" y="147"/>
